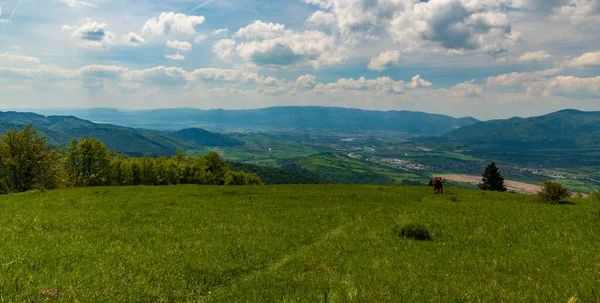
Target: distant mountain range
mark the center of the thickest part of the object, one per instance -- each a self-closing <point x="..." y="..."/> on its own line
<point x="60" y="130"/>
<point x="566" y="129"/>
<point x="291" y="118"/>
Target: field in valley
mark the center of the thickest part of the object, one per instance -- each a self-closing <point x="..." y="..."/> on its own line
<point x="302" y="243"/>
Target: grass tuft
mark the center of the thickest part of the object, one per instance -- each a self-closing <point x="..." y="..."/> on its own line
<point x="415" y="231"/>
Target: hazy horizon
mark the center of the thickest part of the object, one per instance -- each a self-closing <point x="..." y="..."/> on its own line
<point x="482" y="58"/>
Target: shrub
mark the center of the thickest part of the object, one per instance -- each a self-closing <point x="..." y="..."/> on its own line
<point x="553" y="192"/>
<point x="27" y="162"/>
<point x="415" y="231"/>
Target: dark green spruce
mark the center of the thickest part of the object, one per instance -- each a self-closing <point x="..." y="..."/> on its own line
<point x="492" y="179"/>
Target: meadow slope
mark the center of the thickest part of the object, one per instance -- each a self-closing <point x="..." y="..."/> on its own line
<point x="302" y="243"/>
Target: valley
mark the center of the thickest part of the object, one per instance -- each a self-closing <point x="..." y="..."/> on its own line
<point x="348" y="146"/>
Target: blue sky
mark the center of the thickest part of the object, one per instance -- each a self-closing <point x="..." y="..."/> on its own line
<point x="482" y="58"/>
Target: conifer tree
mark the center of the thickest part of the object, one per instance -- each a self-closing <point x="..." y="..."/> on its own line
<point x="492" y="179"/>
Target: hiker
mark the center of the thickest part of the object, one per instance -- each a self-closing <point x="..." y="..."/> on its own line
<point x="441" y="186"/>
<point x="436" y="185"/>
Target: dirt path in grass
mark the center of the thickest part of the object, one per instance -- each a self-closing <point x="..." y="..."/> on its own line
<point x="511" y="185"/>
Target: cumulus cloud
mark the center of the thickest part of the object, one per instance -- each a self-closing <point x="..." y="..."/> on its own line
<point x="199" y="39"/>
<point x="220" y="31"/>
<point x="91" y="34"/>
<point x="534" y="56"/>
<point x="518" y="79"/>
<point x="134" y="39"/>
<point x="381" y="85"/>
<point x="177" y="56"/>
<point x="307" y="81"/>
<point x="417" y="82"/>
<point x="384" y="60"/>
<point x="582" y="13"/>
<point x="229" y="76"/>
<point x="586" y="60"/>
<point x="466" y="90"/>
<point x="573" y="87"/>
<point x="322" y="18"/>
<point x="453" y="26"/>
<point x="19" y="58"/>
<point x="168" y="23"/>
<point x="224" y="49"/>
<point x="271" y="45"/>
<point x="179" y="45"/>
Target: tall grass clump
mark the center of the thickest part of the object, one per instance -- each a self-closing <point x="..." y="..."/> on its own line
<point x="414" y="231"/>
<point x="553" y="192"/>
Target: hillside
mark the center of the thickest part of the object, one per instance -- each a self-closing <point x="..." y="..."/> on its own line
<point x="273" y="175"/>
<point x="292" y="117"/>
<point x="202" y="137"/>
<point x="339" y="169"/>
<point x="60" y="130"/>
<point x="313" y="243"/>
<point x="565" y="129"/>
<point x="567" y="139"/>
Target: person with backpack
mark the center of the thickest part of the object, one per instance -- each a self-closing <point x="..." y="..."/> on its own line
<point x="436" y="185"/>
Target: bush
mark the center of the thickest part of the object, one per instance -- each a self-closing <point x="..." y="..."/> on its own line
<point x="553" y="192"/>
<point x="415" y="231"/>
<point x="27" y="162"/>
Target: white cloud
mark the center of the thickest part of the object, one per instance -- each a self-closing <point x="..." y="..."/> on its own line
<point x="179" y="45"/>
<point x="261" y="30"/>
<point x="381" y="85"/>
<point x="228" y="76"/>
<point x="92" y="34"/>
<point x="19" y="58"/>
<point x="582" y="13"/>
<point x="224" y="49"/>
<point x="573" y="87"/>
<point x="417" y="82"/>
<point x="307" y="81"/>
<point x="220" y="31"/>
<point x="176" y="56"/>
<point x="77" y="3"/>
<point x="384" y="60"/>
<point x="518" y="79"/>
<point x="322" y="18"/>
<point x="271" y="45"/>
<point x="199" y="39"/>
<point x="134" y="39"/>
<point x="534" y="56"/>
<point x="168" y="23"/>
<point x="586" y="60"/>
<point x="466" y="90"/>
<point x="453" y="26"/>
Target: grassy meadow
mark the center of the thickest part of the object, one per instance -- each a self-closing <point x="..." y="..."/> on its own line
<point x="303" y="243"/>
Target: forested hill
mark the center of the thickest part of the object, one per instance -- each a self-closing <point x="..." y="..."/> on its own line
<point x="566" y="129"/>
<point x="291" y="117"/>
<point x="205" y="138"/>
<point x="60" y="130"/>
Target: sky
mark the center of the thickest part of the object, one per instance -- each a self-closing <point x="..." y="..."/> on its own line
<point x="483" y="58"/>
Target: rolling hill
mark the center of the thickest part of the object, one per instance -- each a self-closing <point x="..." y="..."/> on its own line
<point x="60" y="130"/>
<point x="566" y="129"/>
<point x="205" y="138"/>
<point x="290" y="117"/>
<point x="564" y="139"/>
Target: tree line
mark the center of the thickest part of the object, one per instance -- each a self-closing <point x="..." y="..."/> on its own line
<point x="28" y="162"/>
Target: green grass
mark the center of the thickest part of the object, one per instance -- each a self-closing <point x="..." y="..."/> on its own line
<point x="300" y="243"/>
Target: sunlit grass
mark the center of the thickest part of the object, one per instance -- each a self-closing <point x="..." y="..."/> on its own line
<point x="294" y="243"/>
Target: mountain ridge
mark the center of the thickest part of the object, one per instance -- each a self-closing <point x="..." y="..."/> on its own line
<point x="337" y="119"/>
